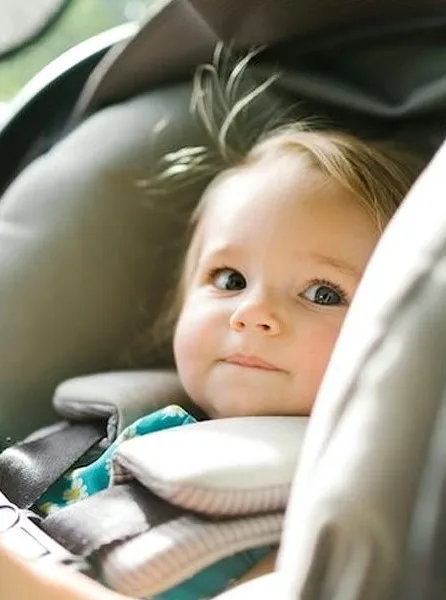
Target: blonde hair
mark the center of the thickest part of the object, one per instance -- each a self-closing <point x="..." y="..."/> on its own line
<point x="378" y="173"/>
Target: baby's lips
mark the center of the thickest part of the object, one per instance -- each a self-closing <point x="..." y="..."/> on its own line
<point x="250" y="361"/>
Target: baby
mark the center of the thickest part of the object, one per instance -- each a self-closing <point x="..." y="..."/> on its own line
<point x="280" y="243"/>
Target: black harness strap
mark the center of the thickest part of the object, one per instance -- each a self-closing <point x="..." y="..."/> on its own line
<point x="29" y="468"/>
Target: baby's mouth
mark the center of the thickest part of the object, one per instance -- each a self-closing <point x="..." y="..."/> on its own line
<point x="250" y="362"/>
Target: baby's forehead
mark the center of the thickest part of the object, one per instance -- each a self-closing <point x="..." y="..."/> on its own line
<point x="270" y="187"/>
<point x="278" y="170"/>
<point x="304" y="208"/>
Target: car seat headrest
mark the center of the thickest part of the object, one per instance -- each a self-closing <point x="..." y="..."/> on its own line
<point x="368" y="437"/>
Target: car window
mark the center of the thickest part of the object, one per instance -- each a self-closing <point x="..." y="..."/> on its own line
<point x="77" y="21"/>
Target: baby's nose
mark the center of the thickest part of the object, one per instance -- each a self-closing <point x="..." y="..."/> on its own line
<point x="257" y="316"/>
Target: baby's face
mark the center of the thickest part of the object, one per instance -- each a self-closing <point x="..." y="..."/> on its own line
<point x="282" y="251"/>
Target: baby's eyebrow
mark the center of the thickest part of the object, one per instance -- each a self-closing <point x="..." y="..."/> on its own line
<point x="337" y="263"/>
<point x="220" y="251"/>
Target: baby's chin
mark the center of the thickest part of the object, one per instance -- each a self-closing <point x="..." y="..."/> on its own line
<point x="232" y="392"/>
<point x="243" y="403"/>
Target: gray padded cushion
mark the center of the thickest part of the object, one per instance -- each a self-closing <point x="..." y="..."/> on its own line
<point x="82" y="256"/>
<point x="368" y="438"/>
<point x="236" y="466"/>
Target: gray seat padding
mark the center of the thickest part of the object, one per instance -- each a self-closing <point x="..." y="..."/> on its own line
<point x="369" y="435"/>
<point x="361" y="479"/>
<point x="84" y="255"/>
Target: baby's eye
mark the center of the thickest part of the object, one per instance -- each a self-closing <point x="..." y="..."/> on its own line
<point x="325" y="295"/>
<point x="228" y="279"/>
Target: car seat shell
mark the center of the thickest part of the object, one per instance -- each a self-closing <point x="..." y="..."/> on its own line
<point x="338" y="413"/>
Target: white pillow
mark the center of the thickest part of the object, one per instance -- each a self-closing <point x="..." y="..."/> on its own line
<point x="233" y="466"/>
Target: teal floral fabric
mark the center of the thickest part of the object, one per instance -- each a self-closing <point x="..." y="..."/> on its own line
<point x="215" y="579"/>
<point x="87" y="479"/>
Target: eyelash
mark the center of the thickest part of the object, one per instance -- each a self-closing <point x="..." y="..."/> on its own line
<point x="334" y="286"/>
<point x="215" y="272"/>
<point x="212" y="274"/>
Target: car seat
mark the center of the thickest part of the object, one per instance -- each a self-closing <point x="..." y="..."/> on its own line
<point x="81" y="247"/>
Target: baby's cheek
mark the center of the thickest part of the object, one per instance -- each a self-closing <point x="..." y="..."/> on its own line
<point x="189" y="352"/>
<point x="184" y="347"/>
<point x="320" y="344"/>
